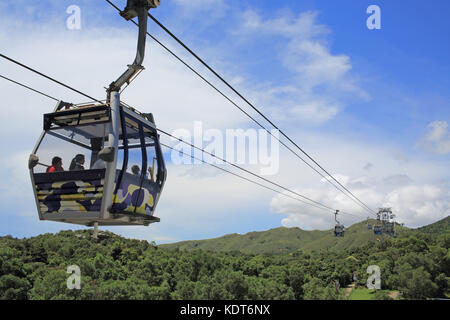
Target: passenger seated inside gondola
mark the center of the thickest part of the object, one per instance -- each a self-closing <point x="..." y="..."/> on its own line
<point x="56" y="165"/>
<point x="135" y="169"/>
<point x="148" y="176"/>
<point x="77" y="163"/>
<point x="99" y="164"/>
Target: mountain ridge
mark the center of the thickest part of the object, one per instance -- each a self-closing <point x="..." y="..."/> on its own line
<point x="283" y="240"/>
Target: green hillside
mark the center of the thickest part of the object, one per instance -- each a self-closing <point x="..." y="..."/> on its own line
<point x="440" y="226"/>
<point x="415" y="264"/>
<point x="286" y="240"/>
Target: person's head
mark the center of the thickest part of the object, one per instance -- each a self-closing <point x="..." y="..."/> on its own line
<point x="79" y="158"/>
<point x="135" y="169"/>
<point x="56" y="161"/>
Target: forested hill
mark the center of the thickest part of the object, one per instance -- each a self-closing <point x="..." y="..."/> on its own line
<point x="415" y="263"/>
<point x="438" y="227"/>
<point x="286" y="240"/>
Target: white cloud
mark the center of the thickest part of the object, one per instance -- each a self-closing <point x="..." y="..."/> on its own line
<point x="437" y="139"/>
<point x="414" y="205"/>
<point x="302" y="26"/>
<point x="321" y="81"/>
<point x="417" y="205"/>
<point x="16" y="183"/>
<point x="315" y="64"/>
<point x="398" y="180"/>
<point x="416" y="190"/>
<point x="314" y="111"/>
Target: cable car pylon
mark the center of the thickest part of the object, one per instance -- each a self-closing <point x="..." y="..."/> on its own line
<point x="113" y="178"/>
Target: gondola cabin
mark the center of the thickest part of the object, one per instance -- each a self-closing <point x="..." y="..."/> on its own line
<point x="97" y="164"/>
<point x="368" y="224"/>
<point x="339" y="230"/>
<point x="377" y="229"/>
<point x="389" y="228"/>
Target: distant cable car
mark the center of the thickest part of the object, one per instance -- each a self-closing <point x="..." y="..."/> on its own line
<point x="377" y="229"/>
<point x="369" y="225"/>
<point x="338" y="228"/>
<point x="101" y="164"/>
<point x="390" y="228"/>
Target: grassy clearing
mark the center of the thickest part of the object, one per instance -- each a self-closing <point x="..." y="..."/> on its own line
<point x="362" y="294"/>
<point x="366" y="294"/>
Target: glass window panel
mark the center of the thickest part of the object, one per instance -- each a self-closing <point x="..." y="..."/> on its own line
<point x="53" y="146"/>
<point x="134" y="161"/>
<point x="152" y="160"/>
<point x="78" y="147"/>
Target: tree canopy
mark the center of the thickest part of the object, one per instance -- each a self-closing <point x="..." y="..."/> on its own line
<point x="114" y="267"/>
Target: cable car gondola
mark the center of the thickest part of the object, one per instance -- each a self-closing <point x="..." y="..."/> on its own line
<point x="107" y="188"/>
<point x="378" y="228"/>
<point x="338" y="228"/>
<point x="117" y="173"/>
<point x="390" y="223"/>
<point x="369" y="224"/>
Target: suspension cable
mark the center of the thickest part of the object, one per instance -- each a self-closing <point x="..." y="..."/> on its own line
<point x="314" y="203"/>
<point x="27" y="87"/>
<point x="45" y="76"/>
<point x="348" y="194"/>
<point x="242" y="177"/>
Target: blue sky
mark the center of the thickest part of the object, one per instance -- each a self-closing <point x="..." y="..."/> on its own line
<point x="372" y="106"/>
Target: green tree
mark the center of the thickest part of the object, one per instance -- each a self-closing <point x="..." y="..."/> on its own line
<point x="184" y="290"/>
<point x="314" y="289"/>
<point x="13" y="288"/>
<point x="268" y="289"/>
<point x="53" y="286"/>
<point x="417" y="284"/>
<point x="296" y="281"/>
